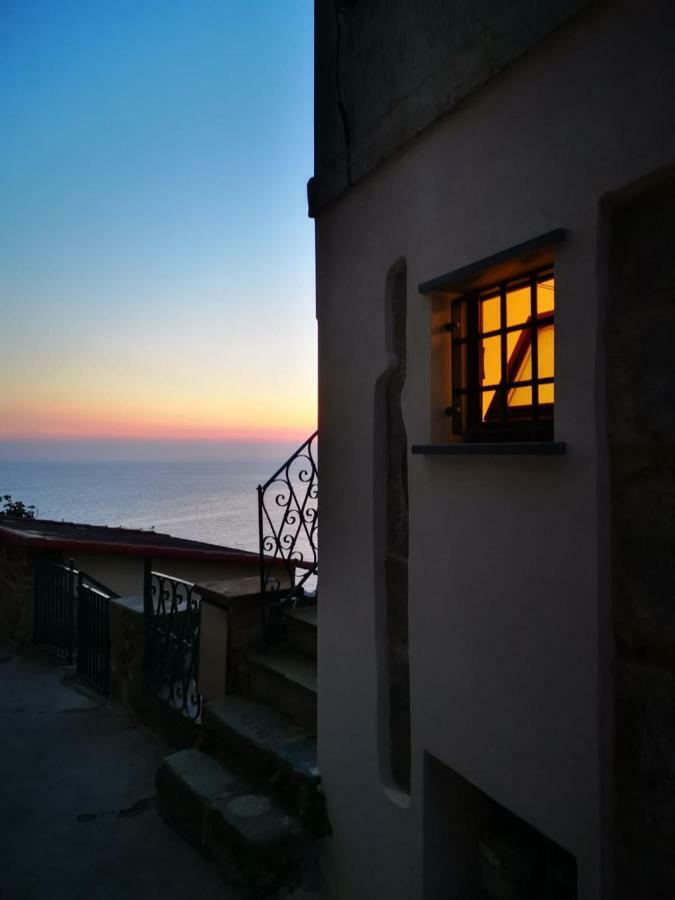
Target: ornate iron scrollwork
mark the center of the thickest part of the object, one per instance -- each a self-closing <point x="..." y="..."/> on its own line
<point x="172" y="616"/>
<point x="288" y="517"/>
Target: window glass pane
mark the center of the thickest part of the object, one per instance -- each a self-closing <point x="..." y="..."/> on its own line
<point x="521" y="396"/>
<point x="546" y="295"/>
<point x="491" y="360"/>
<point x="491" y="405"/>
<point x="546" y="350"/>
<point x="519" y="355"/>
<point x="546" y="393"/>
<point x="518" y="305"/>
<point x="490" y="314"/>
<point x="491" y="367"/>
<point x="479" y="361"/>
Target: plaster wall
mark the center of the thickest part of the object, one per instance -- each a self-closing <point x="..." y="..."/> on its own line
<point x="508" y="618"/>
<point x="199" y="571"/>
<point x="124" y="574"/>
<point x="641" y="430"/>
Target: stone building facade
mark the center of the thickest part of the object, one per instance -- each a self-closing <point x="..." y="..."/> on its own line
<point x="16" y="590"/>
<point x="496" y="683"/>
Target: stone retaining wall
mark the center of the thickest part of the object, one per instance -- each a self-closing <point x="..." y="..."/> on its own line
<point x="641" y="392"/>
<point x="126" y="650"/>
<point x="16" y="594"/>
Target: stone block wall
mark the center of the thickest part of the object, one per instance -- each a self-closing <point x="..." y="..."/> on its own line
<point x="126" y="630"/>
<point x="397" y="537"/>
<point x="375" y="89"/>
<point x="16" y="594"/>
<point x="641" y="425"/>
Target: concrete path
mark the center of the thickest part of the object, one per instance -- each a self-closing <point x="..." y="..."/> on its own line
<point x="77" y="810"/>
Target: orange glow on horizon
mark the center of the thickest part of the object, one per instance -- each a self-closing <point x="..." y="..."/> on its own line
<point x="69" y="427"/>
<point x="29" y="416"/>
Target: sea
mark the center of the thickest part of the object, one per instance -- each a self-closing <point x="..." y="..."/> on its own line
<point x="213" y="501"/>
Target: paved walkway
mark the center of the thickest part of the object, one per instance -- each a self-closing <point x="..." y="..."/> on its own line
<point x="77" y="809"/>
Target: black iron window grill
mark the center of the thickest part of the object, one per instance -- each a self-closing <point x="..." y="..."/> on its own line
<point x="172" y="613"/>
<point x="503" y="360"/>
<point x="288" y="521"/>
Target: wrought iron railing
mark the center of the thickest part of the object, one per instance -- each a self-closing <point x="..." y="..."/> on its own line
<point x="54" y="608"/>
<point x="93" y="634"/>
<point x="70" y="619"/>
<point x="172" y="623"/>
<point x="288" y="521"/>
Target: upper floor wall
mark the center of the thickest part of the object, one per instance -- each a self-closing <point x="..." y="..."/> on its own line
<point x="386" y="69"/>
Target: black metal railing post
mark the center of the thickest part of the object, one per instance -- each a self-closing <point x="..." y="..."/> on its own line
<point x="69" y="612"/>
<point x="264" y="615"/>
<point x="81" y="623"/>
<point x="82" y="637"/>
<point x="260" y="538"/>
<point x="147" y="619"/>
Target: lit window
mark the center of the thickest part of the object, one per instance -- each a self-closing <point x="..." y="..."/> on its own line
<point x="503" y="360"/>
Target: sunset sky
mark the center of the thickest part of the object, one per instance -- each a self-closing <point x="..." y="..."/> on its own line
<point x="156" y="259"/>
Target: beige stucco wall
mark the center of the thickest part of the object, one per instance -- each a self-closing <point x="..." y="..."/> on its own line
<point x="199" y="571"/>
<point x="509" y="625"/>
<point x="124" y="574"/>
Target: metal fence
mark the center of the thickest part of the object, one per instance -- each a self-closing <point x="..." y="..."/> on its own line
<point x="288" y="522"/>
<point x="54" y="609"/>
<point x="93" y="638"/>
<point x="172" y="623"/>
<point x="70" y="619"/>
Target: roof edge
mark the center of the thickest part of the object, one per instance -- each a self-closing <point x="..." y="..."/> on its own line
<point x="35" y="541"/>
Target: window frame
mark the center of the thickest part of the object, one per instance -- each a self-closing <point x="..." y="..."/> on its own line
<point x="527" y="422"/>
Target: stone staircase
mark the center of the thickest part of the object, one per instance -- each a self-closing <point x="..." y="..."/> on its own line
<point x="250" y="793"/>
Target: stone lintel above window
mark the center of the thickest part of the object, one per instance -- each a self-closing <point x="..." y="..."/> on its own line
<point x="503" y="266"/>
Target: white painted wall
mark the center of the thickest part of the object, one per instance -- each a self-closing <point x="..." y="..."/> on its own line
<point x="507" y="578"/>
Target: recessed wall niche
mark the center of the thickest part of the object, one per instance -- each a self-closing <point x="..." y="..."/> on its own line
<point x="476" y="849"/>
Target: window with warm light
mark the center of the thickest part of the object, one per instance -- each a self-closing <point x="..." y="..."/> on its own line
<point x="503" y="360"/>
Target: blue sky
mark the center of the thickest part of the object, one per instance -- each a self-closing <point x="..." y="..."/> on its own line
<point x="156" y="259"/>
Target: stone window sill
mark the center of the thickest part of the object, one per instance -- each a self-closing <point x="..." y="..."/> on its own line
<point x="505" y="448"/>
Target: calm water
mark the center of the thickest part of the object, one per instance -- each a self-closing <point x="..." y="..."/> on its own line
<point x="206" y="501"/>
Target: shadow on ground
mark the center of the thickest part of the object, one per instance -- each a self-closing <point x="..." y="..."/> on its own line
<point x="77" y="798"/>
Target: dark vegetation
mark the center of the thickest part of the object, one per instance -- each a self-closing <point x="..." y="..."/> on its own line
<point x="17" y="508"/>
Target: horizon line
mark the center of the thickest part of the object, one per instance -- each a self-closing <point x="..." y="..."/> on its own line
<point x="257" y="439"/>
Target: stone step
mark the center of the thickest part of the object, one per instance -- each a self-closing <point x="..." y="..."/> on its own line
<point x="270" y="748"/>
<point x="301" y="629"/>
<point x="285" y="681"/>
<point x="230" y="821"/>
